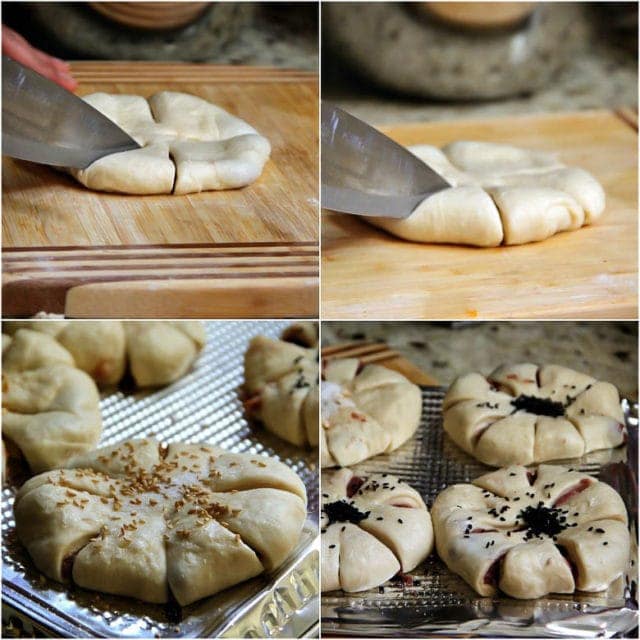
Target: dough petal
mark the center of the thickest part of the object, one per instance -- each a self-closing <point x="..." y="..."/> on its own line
<point x="225" y="164"/>
<point x="142" y="171"/>
<point x="530" y="214"/>
<point x="460" y="215"/>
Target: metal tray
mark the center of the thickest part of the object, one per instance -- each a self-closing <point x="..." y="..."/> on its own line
<point x="434" y="601"/>
<point x="201" y="407"/>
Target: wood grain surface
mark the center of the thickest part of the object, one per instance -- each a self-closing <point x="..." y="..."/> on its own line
<point x="46" y="211"/>
<point x="378" y="353"/>
<point x="250" y="280"/>
<point x="588" y="273"/>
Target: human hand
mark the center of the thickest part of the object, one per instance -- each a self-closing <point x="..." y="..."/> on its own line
<point x="16" y="47"/>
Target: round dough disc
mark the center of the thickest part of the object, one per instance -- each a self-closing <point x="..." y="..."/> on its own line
<point x="525" y="413"/>
<point x="500" y="194"/>
<point x="142" y="521"/>
<point x="365" y="412"/>
<point x="187" y="145"/>
<point x="530" y="532"/>
<point x="372" y="527"/>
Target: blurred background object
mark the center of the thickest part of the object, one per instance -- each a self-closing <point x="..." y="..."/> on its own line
<point x="388" y="61"/>
<point x="281" y="34"/>
<point x="606" y="350"/>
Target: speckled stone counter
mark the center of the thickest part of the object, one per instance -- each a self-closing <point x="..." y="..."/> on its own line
<point x="599" y="74"/>
<point x="605" y="350"/>
<point x="248" y="33"/>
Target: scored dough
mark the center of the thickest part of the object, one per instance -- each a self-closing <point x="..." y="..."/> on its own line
<point x="50" y="401"/>
<point x="157" y="352"/>
<point x="365" y="413"/>
<point x="371" y="528"/>
<point x="188" y="145"/>
<point x="523" y="413"/>
<point x="50" y="409"/>
<point x="281" y="383"/>
<point x="142" y="521"/>
<point x="530" y="532"/>
<point x="499" y="194"/>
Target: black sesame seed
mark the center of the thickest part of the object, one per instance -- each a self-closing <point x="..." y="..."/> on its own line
<point x="332" y="546"/>
<point x="341" y="511"/>
<point x="399" y="520"/>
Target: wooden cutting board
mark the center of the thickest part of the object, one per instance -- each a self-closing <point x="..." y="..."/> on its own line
<point x="378" y="353"/>
<point x="589" y="273"/>
<point x="250" y="252"/>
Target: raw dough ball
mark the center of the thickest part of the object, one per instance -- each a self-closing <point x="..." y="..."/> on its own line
<point x="281" y="383"/>
<point x="532" y="532"/>
<point x="51" y="410"/>
<point x="522" y="413"/>
<point x="372" y="527"/>
<point x="188" y="145"/>
<point x="158" y="352"/>
<point x="136" y="520"/>
<point x="499" y="194"/>
<point x="365" y="413"/>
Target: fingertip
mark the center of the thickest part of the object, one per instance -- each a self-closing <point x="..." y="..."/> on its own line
<point x="61" y="64"/>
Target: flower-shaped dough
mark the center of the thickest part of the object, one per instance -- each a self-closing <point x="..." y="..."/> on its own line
<point x="281" y="383"/>
<point x="188" y="145"/>
<point x="523" y="413"/>
<point x="365" y="412"/>
<point x="499" y="194"/>
<point x="157" y="352"/>
<point x="372" y="527"/>
<point x="532" y="532"/>
<point x="50" y="409"/>
<point x="142" y="521"/>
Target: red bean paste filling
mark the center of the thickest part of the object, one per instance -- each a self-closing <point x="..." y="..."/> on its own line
<point x="342" y="511"/>
<point x="539" y="406"/>
<point x="354" y="484"/>
<point x="492" y="576"/>
<point x="581" y="486"/>
<point x="541" y="520"/>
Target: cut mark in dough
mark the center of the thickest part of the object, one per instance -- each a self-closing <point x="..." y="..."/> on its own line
<point x="188" y="145"/>
<point x="499" y="195"/>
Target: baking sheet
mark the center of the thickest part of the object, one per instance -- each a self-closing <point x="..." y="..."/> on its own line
<point x="435" y="601"/>
<point x="201" y="407"/>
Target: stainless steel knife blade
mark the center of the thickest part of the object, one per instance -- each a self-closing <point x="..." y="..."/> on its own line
<point x="44" y="123"/>
<point x="366" y="173"/>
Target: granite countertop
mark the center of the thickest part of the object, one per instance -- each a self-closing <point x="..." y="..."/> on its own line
<point x="246" y="33"/>
<point x="600" y="74"/>
<point x="605" y="350"/>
